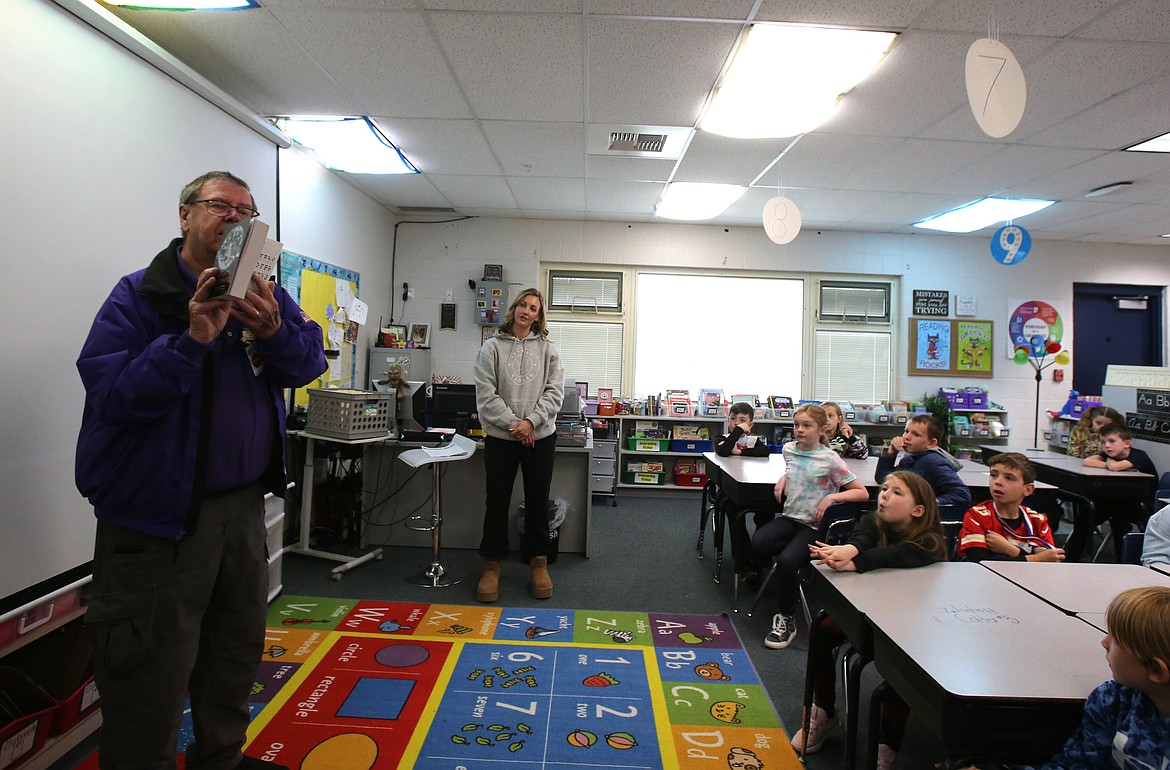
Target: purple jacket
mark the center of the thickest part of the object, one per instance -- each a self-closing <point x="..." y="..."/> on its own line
<point x="143" y="441"/>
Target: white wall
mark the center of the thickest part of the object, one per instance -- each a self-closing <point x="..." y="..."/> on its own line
<point x="436" y="258"/>
<point x="324" y="218"/>
<point x="96" y="147"/>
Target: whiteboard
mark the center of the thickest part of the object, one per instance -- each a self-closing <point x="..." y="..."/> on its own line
<point x="97" y="145"/>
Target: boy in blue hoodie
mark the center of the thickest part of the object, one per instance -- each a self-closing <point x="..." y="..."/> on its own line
<point x="925" y="457"/>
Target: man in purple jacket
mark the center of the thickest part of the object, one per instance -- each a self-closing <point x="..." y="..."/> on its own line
<point x="181" y="437"/>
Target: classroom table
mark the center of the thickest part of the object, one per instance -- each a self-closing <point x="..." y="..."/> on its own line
<point x="972" y="473"/>
<point x="1071" y="475"/>
<point x="1077" y="588"/>
<point x="950" y="646"/>
<point x="749" y="482"/>
<point x="847" y="597"/>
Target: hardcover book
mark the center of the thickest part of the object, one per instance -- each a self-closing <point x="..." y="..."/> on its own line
<point x="245" y="249"/>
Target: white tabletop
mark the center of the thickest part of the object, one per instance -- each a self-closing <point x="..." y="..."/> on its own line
<point x="1077" y="588"/>
<point x="750" y="470"/>
<point x="1074" y="465"/>
<point x="973" y="474"/>
<point x="968" y="628"/>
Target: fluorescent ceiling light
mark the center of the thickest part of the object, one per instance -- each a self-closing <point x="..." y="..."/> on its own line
<point x="786" y="79"/>
<point x="1157" y="144"/>
<point x="184" y="5"/>
<point x="983" y="213"/>
<point x="354" y="145"/>
<point x="696" y="200"/>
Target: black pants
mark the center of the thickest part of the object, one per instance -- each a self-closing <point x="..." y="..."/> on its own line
<point x="501" y="459"/>
<point x="174" y="617"/>
<point x="787" y="540"/>
<point x="1121" y="515"/>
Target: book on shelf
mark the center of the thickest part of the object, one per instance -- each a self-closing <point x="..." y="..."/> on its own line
<point x="749" y="398"/>
<point x="245" y="249"/>
<point x="710" y="402"/>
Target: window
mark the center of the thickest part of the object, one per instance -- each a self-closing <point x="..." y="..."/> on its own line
<point x="744" y="335"/>
<point x="851" y="366"/>
<point x="585" y="290"/>
<point x="657" y="328"/>
<point x="854" y="302"/>
<point x="590" y="352"/>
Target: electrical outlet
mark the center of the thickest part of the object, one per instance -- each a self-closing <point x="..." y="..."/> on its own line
<point x="410" y="293"/>
<point x="450" y="295"/>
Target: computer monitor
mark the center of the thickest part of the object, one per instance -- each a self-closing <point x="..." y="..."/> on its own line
<point x="412" y="407"/>
<point x="454" y="406"/>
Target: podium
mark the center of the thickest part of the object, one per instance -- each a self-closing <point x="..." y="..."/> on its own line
<point x="436" y="575"/>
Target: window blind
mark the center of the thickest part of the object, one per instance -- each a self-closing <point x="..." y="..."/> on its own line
<point x="590" y="352"/>
<point x="852" y="366"/>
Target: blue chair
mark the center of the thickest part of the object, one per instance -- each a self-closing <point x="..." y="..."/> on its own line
<point x="1131" y="547"/>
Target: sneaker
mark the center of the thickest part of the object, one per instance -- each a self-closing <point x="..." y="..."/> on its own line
<point x="782" y="633"/>
<point x="887" y="758"/>
<point x="820" y="724"/>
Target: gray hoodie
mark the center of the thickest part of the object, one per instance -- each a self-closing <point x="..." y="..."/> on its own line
<point x="518" y="379"/>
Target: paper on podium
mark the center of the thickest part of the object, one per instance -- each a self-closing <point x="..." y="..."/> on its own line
<point x="451" y="450"/>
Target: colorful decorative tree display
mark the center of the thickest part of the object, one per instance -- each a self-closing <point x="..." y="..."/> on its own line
<point x="1037" y="354"/>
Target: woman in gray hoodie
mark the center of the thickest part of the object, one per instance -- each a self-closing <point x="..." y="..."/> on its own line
<point x="519" y="386"/>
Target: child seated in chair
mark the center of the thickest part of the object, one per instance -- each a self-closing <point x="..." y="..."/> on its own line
<point x="1156" y="544"/>
<point x="741" y="442"/>
<point x="924" y="456"/>
<point x="1117" y="454"/>
<point x="815" y="478"/>
<point x="842" y="439"/>
<point x="1003" y="528"/>
<point x="904" y="533"/>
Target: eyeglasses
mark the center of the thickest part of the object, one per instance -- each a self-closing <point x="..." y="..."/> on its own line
<point x="223" y="208"/>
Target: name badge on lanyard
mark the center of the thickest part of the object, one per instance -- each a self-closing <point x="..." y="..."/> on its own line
<point x="252" y="351"/>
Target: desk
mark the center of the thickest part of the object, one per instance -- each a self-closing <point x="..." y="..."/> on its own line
<point x="847" y="598"/>
<point x="1069" y="474"/>
<point x="463" y="500"/>
<point x="749" y="482"/>
<point x="302" y="545"/>
<point x="1077" y="588"/>
<point x="949" y="646"/>
<point x="973" y="474"/>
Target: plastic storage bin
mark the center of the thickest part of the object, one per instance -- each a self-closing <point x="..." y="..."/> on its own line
<point x="348" y="413"/>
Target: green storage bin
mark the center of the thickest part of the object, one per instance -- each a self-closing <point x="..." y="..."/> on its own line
<point x="642" y="444"/>
<point x="649" y="479"/>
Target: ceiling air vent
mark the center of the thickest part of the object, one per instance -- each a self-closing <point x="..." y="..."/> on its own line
<point x="662" y="142"/>
<point x="637" y="142"/>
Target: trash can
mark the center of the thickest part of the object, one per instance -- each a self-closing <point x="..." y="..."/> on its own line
<point x="557" y="510"/>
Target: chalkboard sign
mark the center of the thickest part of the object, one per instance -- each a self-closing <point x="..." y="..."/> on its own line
<point x="1152" y="419"/>
<point x="931" y="302"/>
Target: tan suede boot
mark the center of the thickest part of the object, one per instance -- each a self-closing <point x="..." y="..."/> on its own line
<point x="488" y="589"/>
<point x="542" y="586"/>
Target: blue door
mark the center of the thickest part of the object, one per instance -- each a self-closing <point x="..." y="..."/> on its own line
<point x="1114" y="324"/>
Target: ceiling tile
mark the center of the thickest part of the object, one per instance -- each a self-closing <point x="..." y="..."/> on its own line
<point x="654" y="72"/>
<point x="549" y="193"/>
<point x="613" y="195"/>
<point x="1051" y="18"/>
<point x="399" y="72"/>
<point x="515" y="66"/>
<point x="442" y="146"/>
<point x="1009" y="167"/>
<point x="868" y="14"/>
<point x="538" y="149"/>
<point x="629" y="168"/>
<point x="462" y="190"/>
<point x="723" y="160"/>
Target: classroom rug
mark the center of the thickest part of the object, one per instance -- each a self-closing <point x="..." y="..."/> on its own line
<point x="357" y="685"/>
